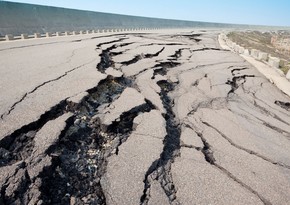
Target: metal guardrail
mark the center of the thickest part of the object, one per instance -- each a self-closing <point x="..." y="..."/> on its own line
<point x="10" y="37"/>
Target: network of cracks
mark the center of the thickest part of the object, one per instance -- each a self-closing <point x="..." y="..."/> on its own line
<point x="78" y="160"/>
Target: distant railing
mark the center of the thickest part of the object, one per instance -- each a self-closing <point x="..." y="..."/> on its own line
<point x="10" y="37"/>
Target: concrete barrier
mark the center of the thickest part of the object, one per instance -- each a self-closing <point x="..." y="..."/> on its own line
<point x="263" y="56"/>
<point x="236" y="48"/>
<point x="75" y="33"/>
<point x="9" y="37"/>
<point x="88" y="31"/>
<point x="241" y="50"/>
<point x="247" y="52"/>
<point x="255" y="53"/>
<point x="274" y="62"/>
<point x="230" y="43"/>
<point x="58" y="34"/>
<point x="24" y="36"/>
<point x="234" y="45"/>
<point x="67" y="33"/>
<point x="37" y="35"/>
<point x="82" y="32"/>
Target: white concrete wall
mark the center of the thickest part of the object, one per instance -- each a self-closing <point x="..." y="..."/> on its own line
<point x="241" y="50"/>
<point x="272" y="61"/>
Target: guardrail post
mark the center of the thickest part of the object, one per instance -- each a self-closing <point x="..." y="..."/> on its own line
<point x="48" y="34"/>
<point x="9" y="37"/>
<point x="24" y="36"/>
<point x="37" y="35"/>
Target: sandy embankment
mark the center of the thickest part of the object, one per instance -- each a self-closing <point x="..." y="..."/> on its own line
<point x="270" y="73"/>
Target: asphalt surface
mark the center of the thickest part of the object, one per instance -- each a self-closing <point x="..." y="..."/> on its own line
<point x="139" y="118"/>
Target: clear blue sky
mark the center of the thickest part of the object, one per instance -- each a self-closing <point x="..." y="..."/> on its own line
<point x="258" y="12"/>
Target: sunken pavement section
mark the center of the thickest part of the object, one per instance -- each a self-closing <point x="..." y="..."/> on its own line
<point x="139" y="118"/>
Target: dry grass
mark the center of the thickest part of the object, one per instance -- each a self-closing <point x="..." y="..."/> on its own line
<point x="285" y="69"/>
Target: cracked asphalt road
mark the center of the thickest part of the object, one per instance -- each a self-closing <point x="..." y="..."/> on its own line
<point x="139" y="118"/>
